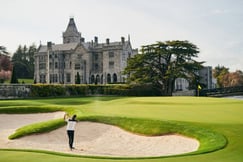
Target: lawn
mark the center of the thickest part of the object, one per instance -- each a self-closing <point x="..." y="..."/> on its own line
<point x="223" y="116"/>
<point x="23" y="81"/>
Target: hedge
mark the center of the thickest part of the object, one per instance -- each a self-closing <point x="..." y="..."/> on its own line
<point x="53" y="90"/>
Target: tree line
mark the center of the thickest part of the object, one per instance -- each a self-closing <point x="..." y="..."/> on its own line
<point x="21" y="64"/>
<point x="158" y="64"/>
<point x="225" y="78"/>
<point x="23" y="61"/>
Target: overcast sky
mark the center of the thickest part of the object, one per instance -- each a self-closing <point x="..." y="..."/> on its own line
<point x="215" y="26"/>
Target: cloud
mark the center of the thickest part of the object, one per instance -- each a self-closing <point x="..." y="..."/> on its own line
<point x="214" y="26"/>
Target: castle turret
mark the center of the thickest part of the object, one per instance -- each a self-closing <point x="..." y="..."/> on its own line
<point x="71" y="34"/>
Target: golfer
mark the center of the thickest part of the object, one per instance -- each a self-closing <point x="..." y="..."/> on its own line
<point x="71" y="122"/>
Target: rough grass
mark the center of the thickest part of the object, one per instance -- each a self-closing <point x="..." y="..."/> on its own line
<point x="217" y="116"/>
<point x="41" y="127"/>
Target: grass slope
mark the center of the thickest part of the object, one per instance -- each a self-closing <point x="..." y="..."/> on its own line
<point x="218" y="115"/>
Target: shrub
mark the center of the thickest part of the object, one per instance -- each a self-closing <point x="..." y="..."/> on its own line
<point x="47" y="90"/>
<point x="51" y="90"/>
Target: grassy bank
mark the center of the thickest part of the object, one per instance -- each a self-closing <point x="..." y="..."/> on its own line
<point x="152" y="116"/>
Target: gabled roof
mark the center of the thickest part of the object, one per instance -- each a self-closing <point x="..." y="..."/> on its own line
<point x="60" y="47"/>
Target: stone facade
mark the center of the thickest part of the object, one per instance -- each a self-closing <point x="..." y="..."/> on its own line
<point x="206" y="80"/>
<point x="93" y="62"/>
<point x="206" y="77"/>
<point x="181" y="84"/>
<point x="12" y="91"/>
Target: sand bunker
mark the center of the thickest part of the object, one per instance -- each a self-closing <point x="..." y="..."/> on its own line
<point x="92" y="139"/>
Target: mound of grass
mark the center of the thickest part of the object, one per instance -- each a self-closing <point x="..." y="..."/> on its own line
<point x="210" y="120"/>
<point x="28" y="109"/>
<point x="41" y="127"/>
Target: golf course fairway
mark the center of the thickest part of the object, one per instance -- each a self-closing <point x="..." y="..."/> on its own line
<point x="143" y="115"/>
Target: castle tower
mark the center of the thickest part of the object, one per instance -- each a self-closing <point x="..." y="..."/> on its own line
<point x="71" y="34"/>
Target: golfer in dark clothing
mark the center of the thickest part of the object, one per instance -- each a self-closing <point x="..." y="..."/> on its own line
<point x="71" y="122"/>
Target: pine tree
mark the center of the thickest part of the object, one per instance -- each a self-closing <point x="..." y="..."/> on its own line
<point x="14" y="79"/>
<point x="77" y="81"/>
<point x="161" y="63"/>
<point x="23" y="59"/>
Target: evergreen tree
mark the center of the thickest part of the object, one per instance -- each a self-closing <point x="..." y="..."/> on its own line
<point x="23" y="60"/>
<point x="14" y="77"/>
<point x="77" y="81"/>
<point x="161" y="63"/>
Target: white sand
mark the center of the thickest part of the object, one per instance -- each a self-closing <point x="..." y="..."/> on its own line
<point x="92" y="139"/>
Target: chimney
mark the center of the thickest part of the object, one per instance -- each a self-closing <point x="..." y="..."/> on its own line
<point x="49" y="45"/>
<point x="82" y="40"/>
<point x="107" y="41"/>
<point x="122" y="40"/>
<point x="96" y="40"/>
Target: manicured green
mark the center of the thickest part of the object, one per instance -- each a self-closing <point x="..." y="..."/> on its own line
<point x="147" y="115"/>
<point x="25" y="81"/>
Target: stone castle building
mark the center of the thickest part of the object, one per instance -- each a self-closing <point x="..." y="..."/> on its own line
<point x="92" y="62"/>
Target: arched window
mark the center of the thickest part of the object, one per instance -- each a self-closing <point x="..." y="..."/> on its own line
<point x="108" y="78"/>
<point x="97" y="79"/>
<point x="114" y="78"/>
<point x="101" y="79"/>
